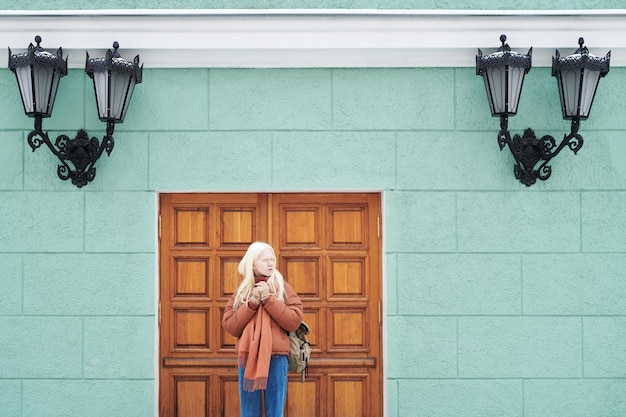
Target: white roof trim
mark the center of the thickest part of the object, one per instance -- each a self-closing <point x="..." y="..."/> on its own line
<point x="314" y="38"/>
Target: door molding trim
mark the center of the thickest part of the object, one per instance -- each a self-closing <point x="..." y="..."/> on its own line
<point x="314" y="38"/>
<point x="366" y="362"/>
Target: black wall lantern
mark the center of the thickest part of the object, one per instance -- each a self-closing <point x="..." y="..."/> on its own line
<point x="577" y="77"/>
<point x="38" y="73"/>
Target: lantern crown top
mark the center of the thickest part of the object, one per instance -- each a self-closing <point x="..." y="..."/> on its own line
<point x="503" y="57"/>
<point x="37" y="56"/>
<point x="113" y="61"/>
<point x="581" y="59"/>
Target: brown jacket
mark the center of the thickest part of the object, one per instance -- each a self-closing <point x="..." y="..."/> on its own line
<point x="285" y="317"/>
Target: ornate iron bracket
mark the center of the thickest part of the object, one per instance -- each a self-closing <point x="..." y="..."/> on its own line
<point x="530" y="152"/>
<point x="77" y="155"/>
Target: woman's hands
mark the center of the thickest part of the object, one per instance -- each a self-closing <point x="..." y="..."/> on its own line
<point x="259" y="294"/>
<point x="263" y="289"/>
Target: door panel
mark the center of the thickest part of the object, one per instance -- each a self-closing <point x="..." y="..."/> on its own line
<point x="328" y="249"/>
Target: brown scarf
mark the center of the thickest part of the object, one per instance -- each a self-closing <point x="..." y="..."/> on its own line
<point x="255" y="351"/>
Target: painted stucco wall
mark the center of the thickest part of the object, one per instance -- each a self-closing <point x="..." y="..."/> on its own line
<point x="501" y="300"/>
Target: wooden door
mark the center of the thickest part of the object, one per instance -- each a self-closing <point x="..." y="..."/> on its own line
<point x="328" y="248"/>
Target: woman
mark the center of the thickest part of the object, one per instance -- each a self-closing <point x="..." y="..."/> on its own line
<point x="261" y="313"/>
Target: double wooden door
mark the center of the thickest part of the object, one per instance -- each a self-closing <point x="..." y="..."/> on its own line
<point x="328" y="248"/>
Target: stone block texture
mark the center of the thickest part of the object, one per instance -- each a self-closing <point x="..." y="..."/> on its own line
<point x="500" y="300"/>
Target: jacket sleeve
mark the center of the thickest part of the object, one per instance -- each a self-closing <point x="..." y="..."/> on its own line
<point x="234" y="321"/>
<point x="288" y="315"/>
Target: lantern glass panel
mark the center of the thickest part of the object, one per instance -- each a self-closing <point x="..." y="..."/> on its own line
<point x="46" y="83"/>
<point x="101" y="88"/>
<point x="590" y="84"/>
<point x="495" y="85"/>
<point x="577" y="89"/>
<point x="569" y="87"/>
<point x="113" y="93"/>
<point x="122" y="84"/>
<point x="38" y="91"/>
<point x="502" y="88"/>
<point x="516" y="79"/>
<point x="26" y="88"/>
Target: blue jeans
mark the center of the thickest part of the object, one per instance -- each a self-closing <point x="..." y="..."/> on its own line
<point x="275" y="393"/>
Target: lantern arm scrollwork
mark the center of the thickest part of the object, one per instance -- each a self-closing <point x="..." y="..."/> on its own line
<point x="77" y="156"/>
<point x="532" y="154"/>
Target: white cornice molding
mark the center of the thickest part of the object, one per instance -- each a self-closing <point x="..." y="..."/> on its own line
<point x="314" y="38"/>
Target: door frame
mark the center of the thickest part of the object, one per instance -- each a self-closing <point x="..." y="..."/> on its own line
<point x="383" y="275"/>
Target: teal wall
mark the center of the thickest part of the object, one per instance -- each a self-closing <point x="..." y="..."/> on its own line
<point x="501" y="300"/>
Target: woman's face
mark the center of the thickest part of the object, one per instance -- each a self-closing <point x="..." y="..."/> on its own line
<point x="264" y="264"/>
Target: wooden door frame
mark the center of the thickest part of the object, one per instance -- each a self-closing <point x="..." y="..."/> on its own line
<point x="383" y="275"/>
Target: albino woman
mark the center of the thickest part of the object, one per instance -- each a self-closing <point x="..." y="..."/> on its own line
<point x="260" y="314"/>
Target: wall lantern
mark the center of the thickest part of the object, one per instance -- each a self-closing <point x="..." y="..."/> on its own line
<point x="577" y="78"/>
<point x="38" y="73"/>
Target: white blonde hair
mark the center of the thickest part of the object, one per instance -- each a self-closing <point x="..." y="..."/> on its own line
<point x="275" y="281"/>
